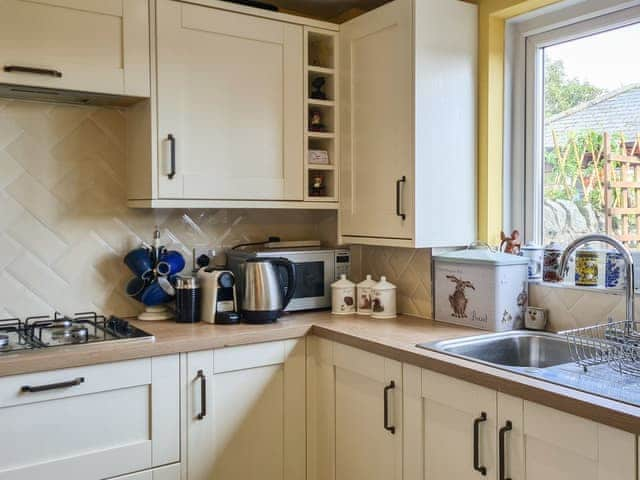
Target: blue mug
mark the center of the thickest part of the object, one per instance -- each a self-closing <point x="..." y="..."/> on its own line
<point x="170" y="263"/>
<point x="139" y="262"/>
<point x="154" y="295"/>
<point x="135" y="287"/>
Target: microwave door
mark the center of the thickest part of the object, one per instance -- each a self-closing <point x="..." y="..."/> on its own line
<point x="314" y="274"/>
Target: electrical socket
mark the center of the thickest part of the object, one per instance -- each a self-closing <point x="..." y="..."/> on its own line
<point x="201" y="251"/>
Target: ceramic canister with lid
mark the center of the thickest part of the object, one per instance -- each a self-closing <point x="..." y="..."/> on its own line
<point x="343" y="294"/>
<point x="363" y="290"/>
<point x="383" y="299"/>
<point x="535" y="254"/>
<point x="551" y="263"/>
<point x="587" y="260"/>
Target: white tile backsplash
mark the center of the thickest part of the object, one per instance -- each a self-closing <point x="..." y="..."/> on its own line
<point x="64" y="223"/>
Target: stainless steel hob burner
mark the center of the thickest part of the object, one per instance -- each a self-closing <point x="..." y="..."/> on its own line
<point x="60" y="330"/>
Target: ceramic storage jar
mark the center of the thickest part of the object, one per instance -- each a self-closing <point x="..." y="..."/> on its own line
<point x="343" y="294"/>
<point x="480" y="288"/>
<point x="383" y="299"/>
<point x="364" y="295"/>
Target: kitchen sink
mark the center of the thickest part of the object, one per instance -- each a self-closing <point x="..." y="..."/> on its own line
<point x="514" y="350"/>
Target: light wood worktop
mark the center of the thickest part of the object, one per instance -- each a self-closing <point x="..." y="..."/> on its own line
<point x="392" y="338"/>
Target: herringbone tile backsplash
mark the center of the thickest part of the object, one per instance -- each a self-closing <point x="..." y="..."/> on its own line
<point x="64" y="223"/>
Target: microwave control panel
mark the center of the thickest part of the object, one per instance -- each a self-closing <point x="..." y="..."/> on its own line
<point x="343" y="263"/>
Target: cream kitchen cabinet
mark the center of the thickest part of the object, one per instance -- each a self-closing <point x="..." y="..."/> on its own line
<point x="91" y="422"/>
<point x="516" y="439"/>
<point x="354" y="414"/>
<point x="408" y="87"/>
<point x="230" y="105"/>
<point x="246" y="412"/>
<point x="92" y="46"/>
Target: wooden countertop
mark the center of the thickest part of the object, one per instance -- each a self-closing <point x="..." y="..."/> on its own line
<point x="394" y="338"/>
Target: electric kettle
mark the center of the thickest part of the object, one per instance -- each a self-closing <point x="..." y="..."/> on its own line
<point x="264" y="293"/>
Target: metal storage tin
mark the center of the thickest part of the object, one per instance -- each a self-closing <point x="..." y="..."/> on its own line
<point x="480" y="288"/>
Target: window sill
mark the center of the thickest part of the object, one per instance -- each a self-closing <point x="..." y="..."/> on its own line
<point x="570" y="286"/>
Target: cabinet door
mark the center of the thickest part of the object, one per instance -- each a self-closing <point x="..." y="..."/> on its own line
<point x="254" y="422"/>
<point x="90" y="422"/>
<point x="170" y="472"/>
<point x="97" y="46"/>
<point x="377" y="123"/>
<point x="230" y="94"/>
<point x="559" y="446"/>
<point x="347" y="435"/>
<point x="452" y="410"/>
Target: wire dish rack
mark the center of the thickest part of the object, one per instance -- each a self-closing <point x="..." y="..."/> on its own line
<point x="615" y="343"/>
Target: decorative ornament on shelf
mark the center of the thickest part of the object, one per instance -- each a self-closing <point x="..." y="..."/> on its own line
<point x="315" y="121"/>
<point x="154" y="268"/>
<point x="510" y="244"/>
<point x="318" y="187"/>
<point x="318" y="85"/>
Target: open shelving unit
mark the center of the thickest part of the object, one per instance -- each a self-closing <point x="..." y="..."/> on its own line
<point x="321" y="66"/>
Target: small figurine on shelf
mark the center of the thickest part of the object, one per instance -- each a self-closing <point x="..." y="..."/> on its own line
<point x="315" y="121"/>
<point x="510" y="244"/>
<point x="318" y="187"/>
<point x="318" y="84"/>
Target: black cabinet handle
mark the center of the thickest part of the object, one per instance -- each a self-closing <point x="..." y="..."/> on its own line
<point x="38" y="71"/>
<point x="398" y="183"/>
<point x="476" y="444"/>
<point x="172" y="141"/>
<point x="52" y="386"/>
<point x="203" y="394"/>
<point x="389" y="428"/>
<point x="502" y="434"/>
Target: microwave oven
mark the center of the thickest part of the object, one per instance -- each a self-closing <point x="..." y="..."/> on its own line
<point x="316" y="269"/>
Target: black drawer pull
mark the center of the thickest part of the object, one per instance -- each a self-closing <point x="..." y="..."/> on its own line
<point x="387" y="426"/>
<point x="508" y="426"/>
<point x="476" y="444"/>
<point x="52" y="386"/>
<point x="203" y="394"/>
<point x="38" y="71"/>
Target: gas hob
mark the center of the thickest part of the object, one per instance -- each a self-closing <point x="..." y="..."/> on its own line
<point x="41" y="332"/>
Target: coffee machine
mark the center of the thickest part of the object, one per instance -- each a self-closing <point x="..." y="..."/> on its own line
<point x="219" y="302"/>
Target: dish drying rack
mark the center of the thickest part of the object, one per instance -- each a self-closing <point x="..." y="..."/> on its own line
<point x="616" y="343"/>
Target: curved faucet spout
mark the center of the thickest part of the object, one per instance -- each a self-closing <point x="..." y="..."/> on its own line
<point x="626" y="256"/>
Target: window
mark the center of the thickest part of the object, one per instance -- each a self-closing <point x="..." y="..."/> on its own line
<point x="578" y="131"/>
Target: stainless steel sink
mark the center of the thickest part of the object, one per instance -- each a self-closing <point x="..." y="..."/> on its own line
<point x="514" y="350"/>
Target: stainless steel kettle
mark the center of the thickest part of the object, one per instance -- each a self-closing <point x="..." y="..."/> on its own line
<point x="264" y="294"/>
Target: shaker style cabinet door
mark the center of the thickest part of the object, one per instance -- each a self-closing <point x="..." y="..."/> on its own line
<point x="354" y="414"/>
<point x="87" y="45"/>
<point x="246" y="412"/>
<point x="230" y="105"/>
<point x="376" y="85"/>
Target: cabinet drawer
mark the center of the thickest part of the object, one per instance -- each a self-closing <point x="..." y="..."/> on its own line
<point x="90" y="422"/>
<point x="87" y="45"/>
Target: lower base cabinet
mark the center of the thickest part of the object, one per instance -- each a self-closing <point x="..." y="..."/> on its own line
<point x="455" y="429"/>
<point x="246" y="412"/>
<point x="354" y="415"/>
<point x="90" y="422"/>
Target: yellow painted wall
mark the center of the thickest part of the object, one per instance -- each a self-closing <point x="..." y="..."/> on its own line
<point x="492" y="15"/>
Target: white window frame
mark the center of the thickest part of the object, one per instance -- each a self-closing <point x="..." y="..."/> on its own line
<point x="524" y="37"/>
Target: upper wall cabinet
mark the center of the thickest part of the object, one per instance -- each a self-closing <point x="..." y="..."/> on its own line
<point x="97" y="46"/>
<point x="408" y="120"/>
<point x="230" y="105"/>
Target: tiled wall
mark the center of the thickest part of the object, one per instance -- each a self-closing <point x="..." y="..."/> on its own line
<point x="569" y="307"/>
<point x="64" y="223"/>
<point x="409" y="269"/>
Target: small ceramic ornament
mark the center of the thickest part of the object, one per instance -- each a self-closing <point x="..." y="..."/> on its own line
<point x="383" y="299"/>
<point x="343" y="294"/>
<point x="364" y="290"/>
